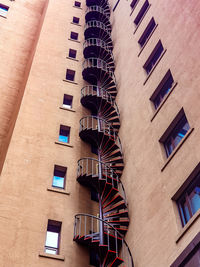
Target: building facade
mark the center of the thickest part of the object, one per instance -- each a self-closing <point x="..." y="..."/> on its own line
<point x="99" y="136"/>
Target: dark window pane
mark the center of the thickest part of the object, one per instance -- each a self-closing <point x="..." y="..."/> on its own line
<point x="133" y="3"/>
<point x="75" y="20"/>
<point x="64" y="134"/>
<point x="70" y="75"/>
<point x="165" y="89"/>
<point x="77" y="4"/>
<point x="72" y="53"/>
<point x="147" y="32"/>
<point x="176" y="135"/>
<point x="67" y="101"/>
<point x="141" y="12"/>
<point x="74" y="35"/>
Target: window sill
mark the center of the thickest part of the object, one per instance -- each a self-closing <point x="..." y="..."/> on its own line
<point x="62" y="144"/>
<point x="69" y="109"/>
<point x="188" y="225"/>
<point x="77" y="7"/>
<point x="74" y="40"/>
<point x="51" y="256"/>
<point x="3" y="16"/>
<point x="76" y="24"/>
<point x="141" y="19"/>
<point x="154" y="66"/>
<point x="164" y="100"/>
<point x="72" y="58"/>
<point x="58" y="190"/>
<point x="64" y="80"/>
<point x="142" y="48"/>
<point x="177" y="148"/>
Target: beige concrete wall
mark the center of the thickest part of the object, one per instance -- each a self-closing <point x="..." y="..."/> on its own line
<point x="26" y="204"/>
<point x="155" y="223"/>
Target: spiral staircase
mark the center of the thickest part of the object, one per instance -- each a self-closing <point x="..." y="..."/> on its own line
<point x="105" y="233"/>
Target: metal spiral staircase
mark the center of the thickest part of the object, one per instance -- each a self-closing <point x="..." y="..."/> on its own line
<point x="105" y="233"/>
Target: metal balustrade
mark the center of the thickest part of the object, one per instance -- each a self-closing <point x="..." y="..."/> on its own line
<point x="97" y="24"/>
<point x="98" y="42"/>
<point x="93" y="62"/>
<point x="104" y="11"/>
<point x="87" y="227"/>
<point x="98" y="91"/>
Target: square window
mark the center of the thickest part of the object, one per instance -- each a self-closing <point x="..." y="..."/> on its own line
<point x="175" y="132"/>
<point x="67" y="101"/>
<point x="147" y="32"/>
<point x="162" y="90"/>
<point x="72" y="53"/>
<point x="153" y="58"/>
<point x="70" y="75"/>
<point x="53" y="237"/>
<point x="141" y="12"/>
<point x="59" y="176"/>
<point x="76" y="20"/>
<point x="74" y="36"/>
<point x="77" y="4"/>
<point x="64" y="134"/>
<point x="3" y="10"/>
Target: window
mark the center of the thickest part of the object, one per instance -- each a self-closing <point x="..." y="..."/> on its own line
<point x="133" y="4"/>
<point x="3" y="10"/>
<point x="76" y="20"/>
<point x="72" y="53"/>
<point x="67" y="101"/>
<point x="64" y="134"/>
<point x="59" y="176"/>
<point x="190" y="257"/>
<point x="163" y="89"/>
<point x="141" y="12"/>
<point x="179" y="127"/>
<point x="77" y="4"/>
<point x="74" y="36"/>
<point x="53" y="237"/>
<point x="94" y="257"/>
<point x="189" y="201"/>
<point x="153" y="58"/>
<point x="147" y="32"/>
<point x="70" y="74"/>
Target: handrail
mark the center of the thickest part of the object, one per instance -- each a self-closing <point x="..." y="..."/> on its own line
<point x="98" y="63"/>
<point x="99" y="24"/>
<point x="97" y="42"/>
<point x="108" y="168"/>
<point x="98" y="9"/>
<point x="86" y="90"/>
<point x="112" y="227"/>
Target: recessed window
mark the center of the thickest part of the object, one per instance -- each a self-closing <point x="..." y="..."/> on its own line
<point x="59" y="176"/>
<point x="53" y="237"/>
<point x="77" y="4"/>
<point x="94" y="257"/>
<point x="153" y="58"/>
<point x="64" y="134"/>
<point x="3" y="10"/>
<point x="163" y="89"/>
<point x="175" y="133"/>
<point x="70" y="74"/>
<point x="67" y="101"/>
<point x="189" y="201"/>
<point x="141" y="12"/>
<point x="74" y="36"/>
<point x="147" y="32"/>
<point x="133" y="4"/>
<point x="76" y="20"/>
<point x="72" y="53"/>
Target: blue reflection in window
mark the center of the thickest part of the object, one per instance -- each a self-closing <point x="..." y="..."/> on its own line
<point x="58" y="181"/>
